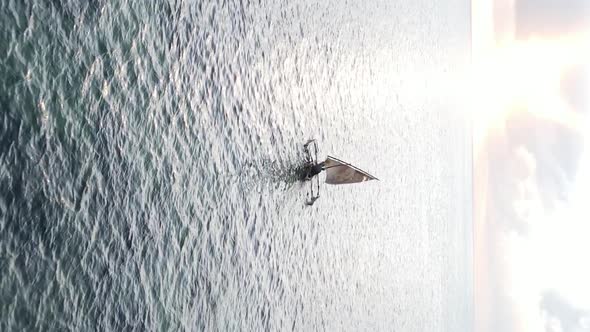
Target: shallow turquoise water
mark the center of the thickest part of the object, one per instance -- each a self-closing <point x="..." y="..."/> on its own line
<point x="147" y="156"/>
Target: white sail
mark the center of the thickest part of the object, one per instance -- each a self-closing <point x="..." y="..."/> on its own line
<point x="340" y="172"/>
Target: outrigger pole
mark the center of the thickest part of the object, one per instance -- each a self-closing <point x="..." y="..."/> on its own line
<point x="311" y="160"/>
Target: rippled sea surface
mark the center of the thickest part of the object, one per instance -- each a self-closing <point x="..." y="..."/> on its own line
<point x="147" y="157"/>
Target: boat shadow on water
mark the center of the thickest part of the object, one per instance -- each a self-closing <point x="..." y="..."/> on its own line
<point x="286" y="177"/>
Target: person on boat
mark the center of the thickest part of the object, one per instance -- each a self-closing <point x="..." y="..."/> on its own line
<point x="313" y="170"/>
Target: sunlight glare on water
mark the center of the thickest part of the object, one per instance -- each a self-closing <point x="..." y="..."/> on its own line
<point x="147" y="157"/>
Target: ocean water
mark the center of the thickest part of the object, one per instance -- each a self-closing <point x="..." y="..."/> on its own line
<point x="148" y="153"/>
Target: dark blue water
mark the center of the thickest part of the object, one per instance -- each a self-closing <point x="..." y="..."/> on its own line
<point x="147" y="157"/>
